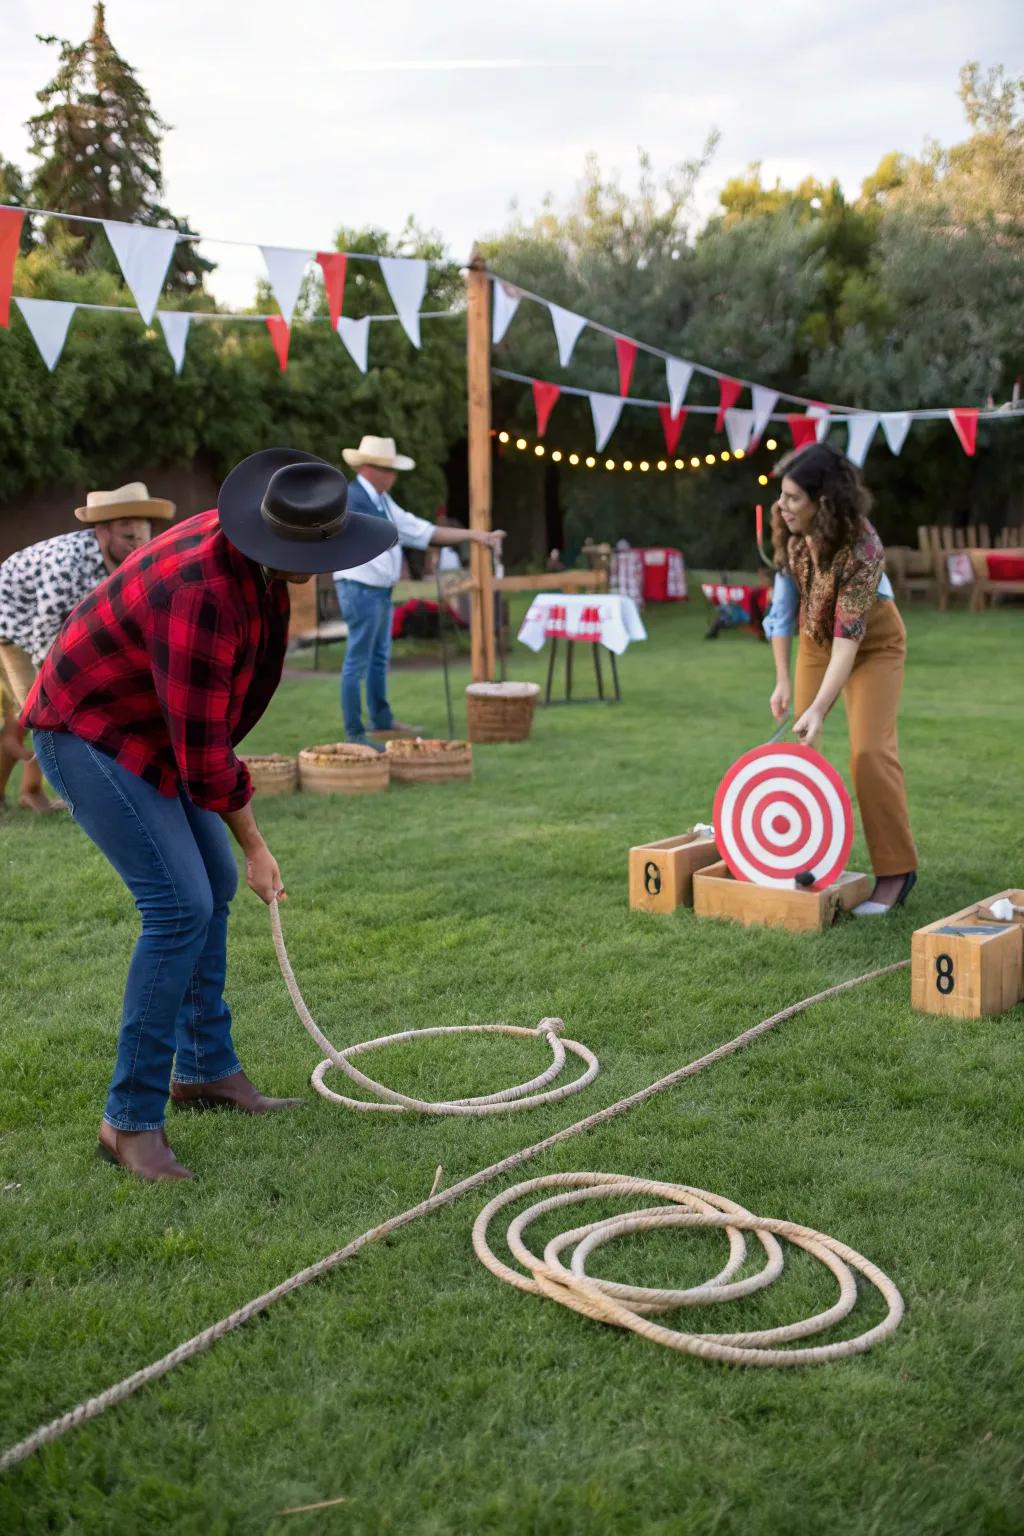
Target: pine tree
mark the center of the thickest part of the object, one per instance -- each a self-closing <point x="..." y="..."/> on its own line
<point x="98" y="140"/>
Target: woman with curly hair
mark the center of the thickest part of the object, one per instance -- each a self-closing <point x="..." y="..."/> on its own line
<point x="830" y="563"/>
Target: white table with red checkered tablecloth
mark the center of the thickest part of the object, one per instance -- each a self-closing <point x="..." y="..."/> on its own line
<point x="597" y="619"/>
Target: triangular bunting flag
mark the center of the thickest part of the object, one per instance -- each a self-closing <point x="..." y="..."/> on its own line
<point x="280" y="335"/>
<point x="765" y="401"/>
<point x="895" y="425"/>
<point x="671" y="425"/>
<point x="406" y="281"/>
<point x="606" y="410"/>
<point x="506" y="302"/>
<point x="286" y="268"/>
<point x="738" y="426"/>
<point x="567" y="329"/>
<point x="175" y="323"/>
<point x="544" y="397"/>
<point x="625" y="352"/>
<point x="804" y="430"/>
<point x="677" y="376"/>
<point x="11" y="220"/>
<point x="729" y="391"/>
<point x="860" y="431"/>
<point x="822" y="416"/>
<point x="332" y="264"/>
<point x="48" y="320"/>
<point x="143" y="254"/>
<point x="356" y="336"/>
<point x="965" y="425"/>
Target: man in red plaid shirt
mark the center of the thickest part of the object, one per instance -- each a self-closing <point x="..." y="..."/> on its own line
<point x="137" y="711"/>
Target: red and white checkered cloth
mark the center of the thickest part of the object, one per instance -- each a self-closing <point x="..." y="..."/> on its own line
<point x="609" y="619"/>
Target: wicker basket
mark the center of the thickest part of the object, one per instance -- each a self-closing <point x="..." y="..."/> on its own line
<point x="343" y="768"/>
<point x="273" y="774"/>
<point x="500" y="711"/>
<point x="429" y="762"/>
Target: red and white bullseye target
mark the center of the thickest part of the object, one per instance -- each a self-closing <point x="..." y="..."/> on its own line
<point x="782" y="811"/>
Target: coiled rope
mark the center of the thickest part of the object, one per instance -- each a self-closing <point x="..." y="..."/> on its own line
<point x="523" y="1096"/>
<point x="94" y="1406"/>
<point x="629" y="1306"/>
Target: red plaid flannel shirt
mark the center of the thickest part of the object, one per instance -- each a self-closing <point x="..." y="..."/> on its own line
<point x="169" y="663"/>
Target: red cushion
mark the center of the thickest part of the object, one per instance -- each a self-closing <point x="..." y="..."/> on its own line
<point x="1006" y="565"/>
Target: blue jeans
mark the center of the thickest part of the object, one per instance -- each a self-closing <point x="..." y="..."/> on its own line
<point x="177" y="862"/>
<point x="367" y="612"/>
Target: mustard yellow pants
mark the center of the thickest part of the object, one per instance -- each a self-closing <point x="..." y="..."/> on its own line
<point x="872" y="697"/>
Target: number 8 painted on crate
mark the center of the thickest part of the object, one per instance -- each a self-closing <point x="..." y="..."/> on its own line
<point x="944" y="974"/>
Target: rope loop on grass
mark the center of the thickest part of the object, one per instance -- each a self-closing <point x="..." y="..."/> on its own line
<point x="522" y="1096"/>
<point x="630" y="1307"/>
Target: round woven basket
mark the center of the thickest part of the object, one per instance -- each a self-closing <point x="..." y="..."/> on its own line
<point x="343" y="768"/>
<point x="429" y="762"/>
<point x="273" y="774"/>
<point x="500" y="711"/>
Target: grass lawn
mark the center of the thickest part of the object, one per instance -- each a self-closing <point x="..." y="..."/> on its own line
<point x="413" y="1384"/>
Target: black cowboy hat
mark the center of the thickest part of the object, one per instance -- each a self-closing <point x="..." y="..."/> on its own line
<point x="288" y="510"/>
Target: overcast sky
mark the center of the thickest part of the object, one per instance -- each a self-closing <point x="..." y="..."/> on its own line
<point x="291" y="118"/>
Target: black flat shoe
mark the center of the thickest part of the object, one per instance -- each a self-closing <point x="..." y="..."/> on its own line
<point x="880" y="908"/>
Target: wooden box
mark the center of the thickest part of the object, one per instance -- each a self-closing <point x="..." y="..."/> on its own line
<point x="967" y="965"/>
<point x="661" y="874"/>
<point x="717" y="894"/>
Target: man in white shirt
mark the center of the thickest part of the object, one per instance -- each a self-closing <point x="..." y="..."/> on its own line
<point x="364" y="593"/>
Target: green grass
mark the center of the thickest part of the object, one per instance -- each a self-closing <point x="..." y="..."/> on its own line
<point x="430" y="1396"/>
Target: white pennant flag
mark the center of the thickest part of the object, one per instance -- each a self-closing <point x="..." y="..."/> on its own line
<point x="356" y="336"/>
<point x="895" y="425"/>
<point x="606" y="410"/>
<point x="861" y="429"/>
<point x="175" y="323"/>
<point x="739" y="427"/>
<point x="286" y="269"/>
<point x="143" y="254"/>
<point x="677" y="375"/>
<point x="823" y="416"/>
<point x="765" y="401"/>
<point x="48" y="320"/>
<point x="407" y="283"/>
<point x="506" y="302"/>
<point x="567" y="330"/>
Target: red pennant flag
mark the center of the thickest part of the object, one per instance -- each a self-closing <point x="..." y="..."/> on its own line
<point x="671" y="425"/>
<point x="804" y="430"/>
<point x="544" y="397"/>
<point x="965" y="425"/>
<point x="11" y="220"/>
<point x="729" y="391"/>
<point x="333" y="264"/>
<point x="280" y="335"/>
<point x="625" y="351"/>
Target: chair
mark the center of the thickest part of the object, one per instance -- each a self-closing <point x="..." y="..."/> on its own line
<point x="912" y="571"/>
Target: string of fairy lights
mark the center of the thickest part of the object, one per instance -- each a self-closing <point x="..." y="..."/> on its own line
<point x="600" y="463"/>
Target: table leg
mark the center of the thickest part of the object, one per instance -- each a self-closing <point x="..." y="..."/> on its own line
<point x="615" y="676"/>
<point x="597" y="671"/>
<point x="570" y="646"/>
<point x="551" y="670"/>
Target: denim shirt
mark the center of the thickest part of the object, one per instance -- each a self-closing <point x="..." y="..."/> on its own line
<point x="783" y="616"/>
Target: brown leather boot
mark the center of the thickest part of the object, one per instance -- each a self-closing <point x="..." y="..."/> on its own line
<point x="234" y="1092"/>
<point x="147" y="1154"/>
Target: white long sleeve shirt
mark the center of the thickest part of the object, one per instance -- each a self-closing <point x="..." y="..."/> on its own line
<point x="413" y="532"/>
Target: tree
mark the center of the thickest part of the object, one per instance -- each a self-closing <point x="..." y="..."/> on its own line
<point x="13" y="191"/>
<point x="98" y="141"/>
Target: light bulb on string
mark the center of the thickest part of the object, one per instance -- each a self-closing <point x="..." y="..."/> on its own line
<point x="662" y="464"/>
<point x="520" y="442"/>
<point x="627" y="463"/>
<point x="539" y="450"/>
<point x="591" y="461"/>
<point x="762" y="479"/>
<point x="771" y="445"/>
<point x="574" y="458"/>
<point x="556" y="456"/>
<point x="609" y="463"/>
<point x="502" y="437"/>
<point x="695" y="463"/>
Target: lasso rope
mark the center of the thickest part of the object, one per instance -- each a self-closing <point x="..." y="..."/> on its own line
<point x="94" y="1406"/>
<point x="523" y="1096"/>
<point x="628" y="1306"/>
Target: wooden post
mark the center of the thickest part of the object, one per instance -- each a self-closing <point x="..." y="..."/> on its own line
<point x="478" y="396"/>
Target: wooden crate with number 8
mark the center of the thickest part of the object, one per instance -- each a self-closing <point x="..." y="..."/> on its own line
<point x="967" y="965"/>
<point x="661" y="874"/>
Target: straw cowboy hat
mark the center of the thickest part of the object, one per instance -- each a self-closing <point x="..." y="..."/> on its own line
<point x="127" y="501"/>
<point x="288" y="510"/>
<point x="378" y="451"/>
